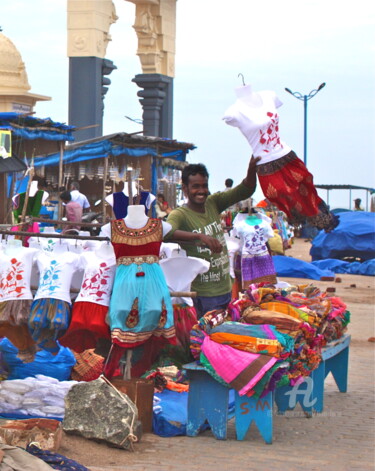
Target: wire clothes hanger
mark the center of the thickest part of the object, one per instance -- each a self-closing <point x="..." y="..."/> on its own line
<point x="243" y="79"/>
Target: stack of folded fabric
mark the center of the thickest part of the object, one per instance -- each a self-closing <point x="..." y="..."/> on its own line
<point x="268" y="337"/>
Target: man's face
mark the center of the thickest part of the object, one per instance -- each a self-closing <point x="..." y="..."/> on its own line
<point x="196" y="190"/>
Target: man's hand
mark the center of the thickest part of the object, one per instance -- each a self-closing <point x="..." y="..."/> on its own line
<point x="251" y="178"/>
<point x="212" y="243"/>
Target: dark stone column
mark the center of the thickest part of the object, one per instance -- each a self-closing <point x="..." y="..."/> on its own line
<point x="156" y="99"/>
<point x="87" y="87"/>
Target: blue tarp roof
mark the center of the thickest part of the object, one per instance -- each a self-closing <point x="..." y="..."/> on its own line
<point x="119" y="144"/>
<point x="29" y="127"/>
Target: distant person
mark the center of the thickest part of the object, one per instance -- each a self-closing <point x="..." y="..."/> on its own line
<point x="228" y="184"/>
<point x="73" y="211"/>
<point x="162" y="207"/>
<point x="78" y="197"/>
<point x="372" y="201"/>
<point x="357" y="204"/>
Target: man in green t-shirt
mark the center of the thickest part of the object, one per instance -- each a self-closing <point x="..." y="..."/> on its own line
<point x="200" y="217"/>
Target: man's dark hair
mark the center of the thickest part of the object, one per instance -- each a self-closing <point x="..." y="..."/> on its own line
<point x="229" y="183"/>
<point x="75" y="185"/>
<point x="65" y="196"/>
<point x="193" y="169"/>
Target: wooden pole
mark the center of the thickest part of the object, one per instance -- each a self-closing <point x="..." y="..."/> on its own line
<point x="105" y="173"/>
<point x="61" y="169"/>
<point x="130" y="188"/>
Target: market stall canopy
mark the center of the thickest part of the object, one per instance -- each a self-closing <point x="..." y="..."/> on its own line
<point x="11" y="164"/>
<point x="344" y="187"/>
<point x="28" y="127"/>
<point x="119" y="144"/>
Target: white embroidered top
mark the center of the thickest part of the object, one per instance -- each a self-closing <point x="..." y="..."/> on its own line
<point x="15" y="273"/>
<point x="97" y="279"/>
<point x="56" y="271"/>
<point x="259" y="125"/>
<point x="254" y="237"/>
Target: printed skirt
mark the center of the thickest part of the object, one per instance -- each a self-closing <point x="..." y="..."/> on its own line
<point x="87" y="326"/>
<point x="257" y="269"/>
<point x="288" y="184"/>
<point x="16" y="311"/>
<point x="49" y="319"/>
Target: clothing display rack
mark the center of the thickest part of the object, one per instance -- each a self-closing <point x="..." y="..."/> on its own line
<point x="53" y="235"/>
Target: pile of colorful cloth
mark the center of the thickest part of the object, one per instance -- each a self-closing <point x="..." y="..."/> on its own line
<point x="268" y="337"/>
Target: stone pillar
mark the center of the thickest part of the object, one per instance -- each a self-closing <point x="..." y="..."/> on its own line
<point x="156" y="100"/>
<point x="155" y="25"/>
<point x="88" y="36"/>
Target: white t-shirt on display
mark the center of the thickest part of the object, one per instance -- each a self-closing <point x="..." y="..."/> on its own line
<point x="254" y="237"/>
<point x="15" y="273"/>
<point x="56" y="271"/>
<point x="259" y="125"/>
<point x="97" y="279"/>
<point x="180" y="272"/>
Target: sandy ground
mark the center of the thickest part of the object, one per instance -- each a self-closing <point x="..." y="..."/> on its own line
<point x="359" y="294"/>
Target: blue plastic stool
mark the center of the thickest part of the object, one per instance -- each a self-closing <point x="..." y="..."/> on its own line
<point x="310" y="393"/>
<point x="260" y="411"/>
<point x="207" y="402"/>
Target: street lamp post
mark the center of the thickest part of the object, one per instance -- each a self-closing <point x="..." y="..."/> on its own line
<point x="305" y="99"/>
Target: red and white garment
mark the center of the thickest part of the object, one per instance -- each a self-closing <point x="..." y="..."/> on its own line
<point x="259" y="125"/>
<point x="90" y="309"/>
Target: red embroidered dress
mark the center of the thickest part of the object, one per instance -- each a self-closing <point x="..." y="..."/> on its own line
<point x="140" y="311"/>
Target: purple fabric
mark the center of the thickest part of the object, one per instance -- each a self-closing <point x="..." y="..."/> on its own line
<point x="257" y="267"/>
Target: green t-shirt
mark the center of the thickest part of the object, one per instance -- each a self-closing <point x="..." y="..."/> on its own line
<point x="217" y="280"/>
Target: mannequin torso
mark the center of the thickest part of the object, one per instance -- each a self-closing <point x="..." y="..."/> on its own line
<point x="136" y="217"/>
<point x="255" y="115"/>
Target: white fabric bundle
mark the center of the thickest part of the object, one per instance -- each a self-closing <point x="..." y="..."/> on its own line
<point x="41" y="396"/>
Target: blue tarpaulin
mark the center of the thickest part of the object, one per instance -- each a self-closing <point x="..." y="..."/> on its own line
<point x="353" y="237"/>
<point x="104" y="148"/>
<point x="341" y="266"/>
<point x="29" y="127"/>
<point x="293" y="268"/>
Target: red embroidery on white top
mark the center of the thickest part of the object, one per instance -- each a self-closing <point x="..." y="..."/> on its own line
<point x="12" y="281"/>
<point x="270" y="137"/>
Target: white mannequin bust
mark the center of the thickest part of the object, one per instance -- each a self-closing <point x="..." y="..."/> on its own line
<point x="246" y="95"/>
<point x="136" y="217"/>
<point x="105" y="250"/>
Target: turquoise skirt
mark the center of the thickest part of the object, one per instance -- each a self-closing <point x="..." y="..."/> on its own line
<point x="140" y="305"/>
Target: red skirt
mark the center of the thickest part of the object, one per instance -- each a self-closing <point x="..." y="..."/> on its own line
<point x="87" y="326"/>
<point x="288" y="184"/>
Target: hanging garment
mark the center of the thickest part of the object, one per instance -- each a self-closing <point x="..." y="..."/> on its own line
<point x="16" y="299"/>
<point x="34" y="204"/>
<point x="284" y="178"/>
<point x="140" y="312"/>
<point x="256" y="262"/>
<point x="288" y="184"/>
<point x="90" y="308"/>
<point x="50" y="310"/>
<point x="121" y="202"/>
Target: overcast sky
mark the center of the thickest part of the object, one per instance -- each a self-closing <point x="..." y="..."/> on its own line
<point x="274" y="44"/>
